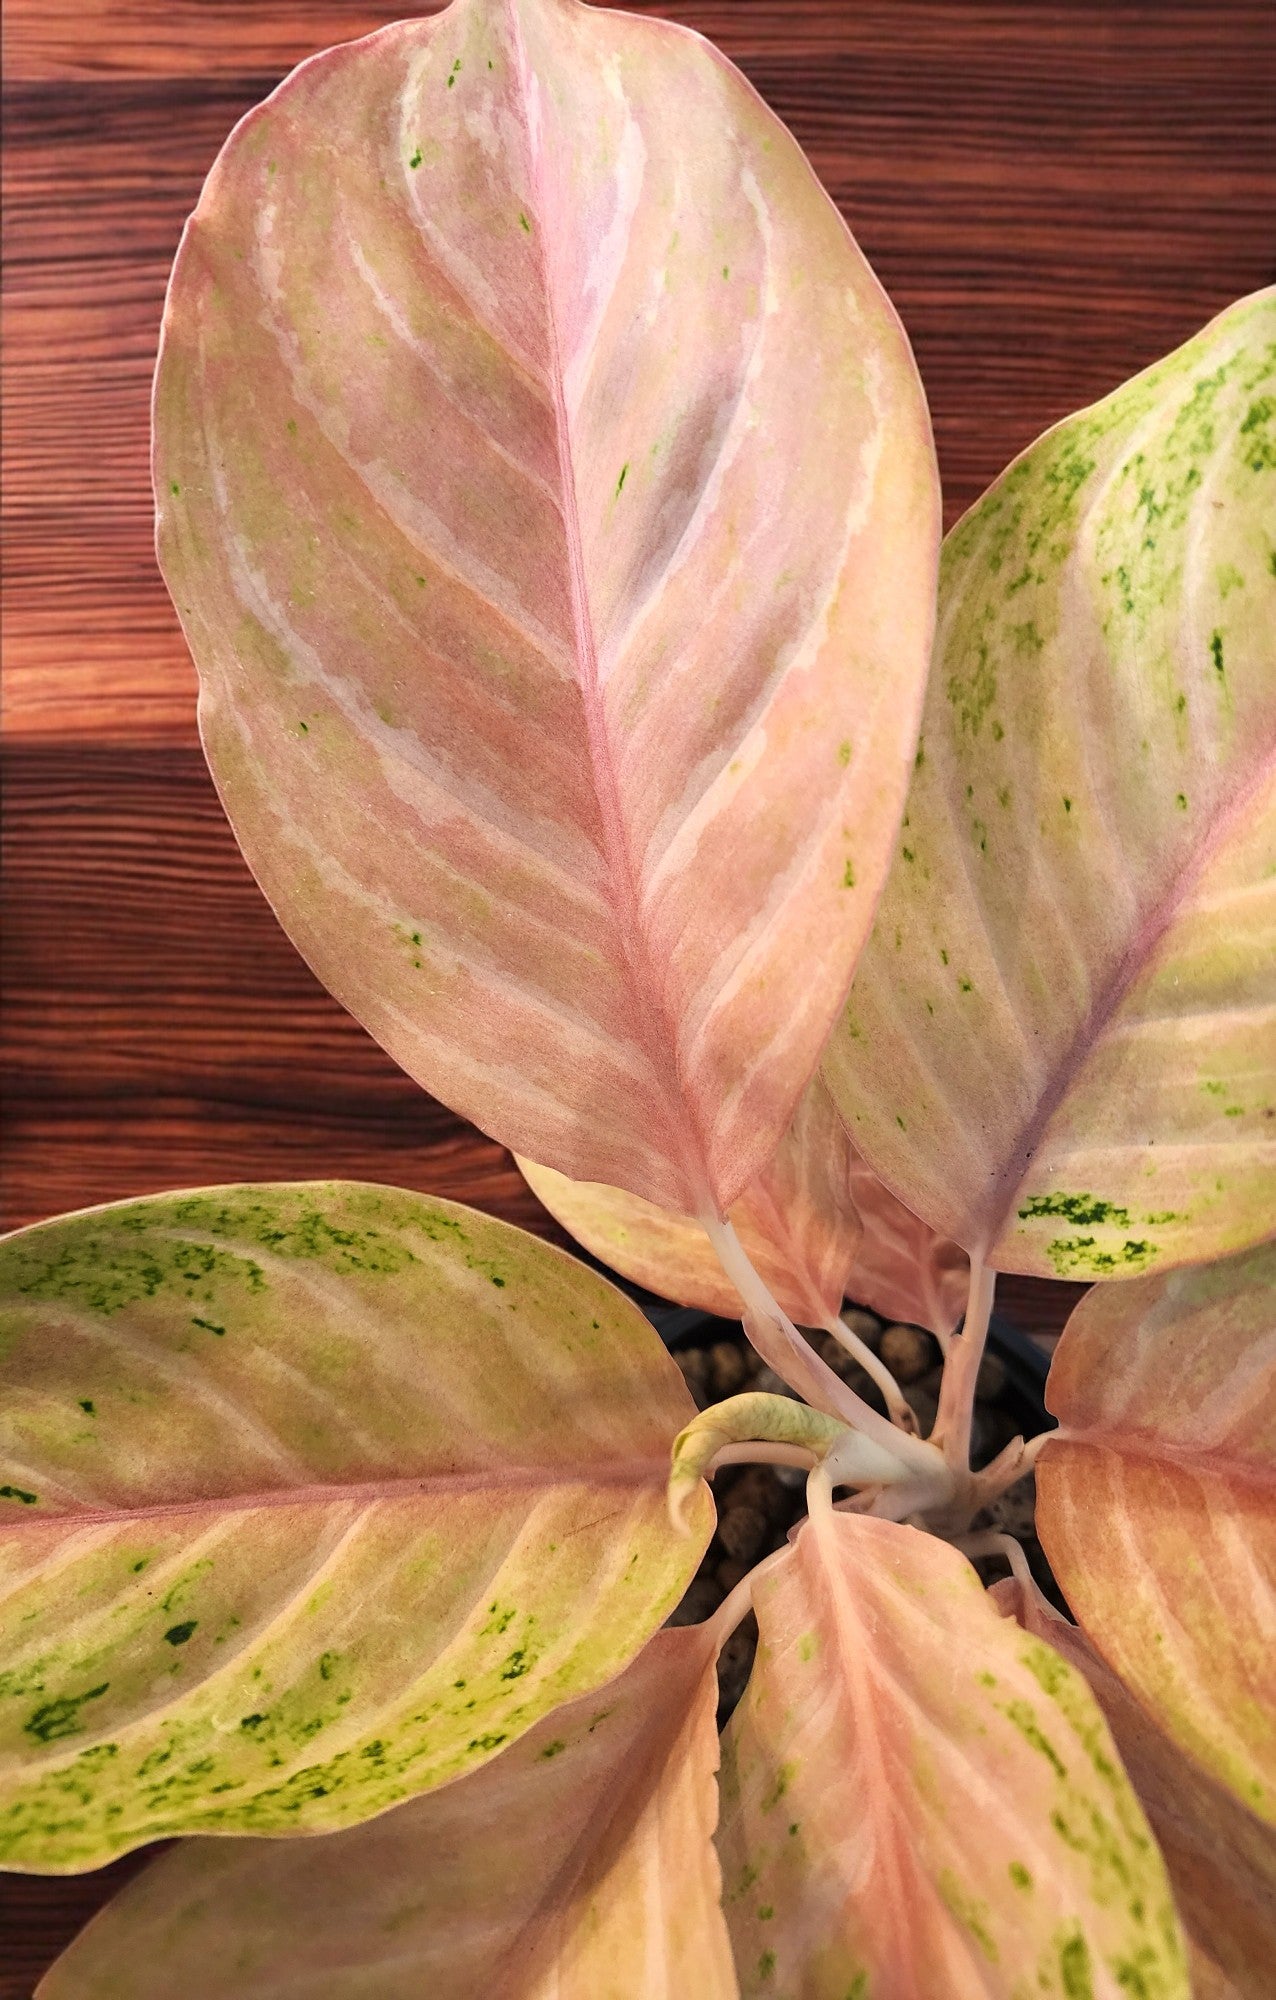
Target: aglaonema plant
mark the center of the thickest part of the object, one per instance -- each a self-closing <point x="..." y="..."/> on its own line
<point x="547" y="494"/>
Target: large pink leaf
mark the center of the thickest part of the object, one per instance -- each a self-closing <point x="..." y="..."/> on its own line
<point x="1157" y="1503"/>
<point x="1061" y="1043"/>
<point x="311" y="1498"/>
<point x="577" y="1866"/>
<point x="547" y="493"/>
<point x="921" y="1800"/>
<point x="1221" y="1859"/>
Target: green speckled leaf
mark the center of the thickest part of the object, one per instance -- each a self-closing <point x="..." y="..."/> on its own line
<point x="577" y="1865"/>
<point x="1060" y="1046"/>
<point x="1157" y="1503"/>
<point x="314" y="1496"/>
<point x="1221" y="1859"/>
<point x="921" y="1800"/>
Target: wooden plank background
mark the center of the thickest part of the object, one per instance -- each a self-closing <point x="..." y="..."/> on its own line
<point x="1054" y="194"/>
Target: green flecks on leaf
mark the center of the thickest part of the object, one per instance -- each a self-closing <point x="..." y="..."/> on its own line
<point x="1019" y="1875"/>
<point x="20" y="1494"/>
<point x="415" y="161"/>
<point x="175" y="488"/>
<point x="1216" y="652"/>
<point x="523" y="223"/>
<point x="765" y="1912"/>
<point x="251" y="1721"/>
<point x="61" y="1717"/>
<point x="99" y="1273"/>
<point x="1080" y="1208"/>
<point x="1180" y="800"/>
<point x="848" y="876"/>
<point x="965" y="986"/>
<point x="454" y="73"/>
<point x="943" y="954"/>
<point x="971" y="1914"/>
<point x="900" y="1122"/>
<point x="778" y="1787"/>
<point x="208" y="1325"/>
<point x="554" y="1749"/>
<point x="1260" y="441"/>
<point x="1067" y="805"/>
<point x="87" y="1405"/>
<point x="620" y="483"/>
<point x="177" y="1635"/>
<point x="1075" y="1968"/>
<point x="766" y="1964"/>
<point x="518" y="1663"/>
<point x="1021" y="1714"/>
<point x="1077" y="1256"/>
<point x="973" y="695"/>
<point x="844" y="752"/>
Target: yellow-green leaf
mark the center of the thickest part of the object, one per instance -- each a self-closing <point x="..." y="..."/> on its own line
<point x="314" y="1497"/>
<point x="1060" y="1047"/>
<point x="1221" y="1859"/>
<point x="577" y="1865"/>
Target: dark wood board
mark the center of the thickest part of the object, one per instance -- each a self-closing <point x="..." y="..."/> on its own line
<point x="1054" y="194"/>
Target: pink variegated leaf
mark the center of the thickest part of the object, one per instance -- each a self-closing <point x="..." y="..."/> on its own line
<point x="1157" y="1503"/>
<point x="1060" y="1047"/>
<point x="797" y="1219"/>
<point x="561" y="658"/>
<point x="816" y="1222"/>
<point x="579" y="1865"/>
<point x="1220" y="1858"/>
<point x="921" y="1800"/>
<point x="903" y="1269"/>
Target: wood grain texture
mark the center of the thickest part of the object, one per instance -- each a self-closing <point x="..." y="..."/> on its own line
<point x="1054" y="194"/>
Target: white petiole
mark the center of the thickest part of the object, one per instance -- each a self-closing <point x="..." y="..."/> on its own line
<point x="783" y="1348"/>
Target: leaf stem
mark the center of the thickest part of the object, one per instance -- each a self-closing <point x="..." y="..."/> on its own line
<point x="990" y="1543"/>
<point x="738" y="1603"/>
<point x="961" y="1369"/>
<point x="901" y="1410"/>
<point x="782" y="1347"/>
<point x="760" y="1453"/>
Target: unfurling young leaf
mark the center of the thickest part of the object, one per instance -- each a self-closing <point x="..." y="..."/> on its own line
<point x="1059" y="1047"/>
<point x="920" y="1799"/>
<point x="1221" y="1860"/>
<point x="314" y="1497"/>
<point x="578" y="1865"/>
<point x="1157" y="1504"/>
<point x="560" y="665"/>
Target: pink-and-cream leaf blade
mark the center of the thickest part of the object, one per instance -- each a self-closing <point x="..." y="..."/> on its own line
<point x="547" y="494"/>
<point x="1059" y="1046"/>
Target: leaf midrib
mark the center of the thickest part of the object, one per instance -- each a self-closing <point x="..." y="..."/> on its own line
<point x="616" y="1472"/>
<point x="1090" y="1031"/>
<point x="653" y="1018"/>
